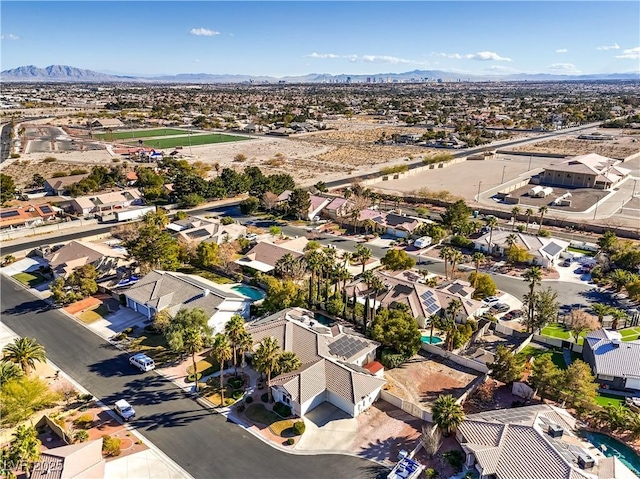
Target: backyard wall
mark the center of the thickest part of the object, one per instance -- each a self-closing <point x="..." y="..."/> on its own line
<point x="413" y="171"/>
<point x="406" y="406"/>
<point x="462" y="361"/>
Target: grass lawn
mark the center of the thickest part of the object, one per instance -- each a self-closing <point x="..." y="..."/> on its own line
<point x="583" y="251"/>
<point x="210" y="275"/>
<point x="283" y="428"/>
<point x="212" y="394"/>
<point x="556" y="356"/>
<point x="259" y="413"/>
<point x="122" y="135"/>
<point x="192" y="140"/>
<point x="154" y="346"/>
<point x="555" y="330"/>
<point x="603" y="399"/>
<point x="30" y="279"/>
<point x="205" y="366"/>
<point x="630" y="334"/>
<point x="92" y="315"/>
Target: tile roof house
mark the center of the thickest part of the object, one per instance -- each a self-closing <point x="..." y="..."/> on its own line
<point x="104" y="258"/>
<point x="397" y="225"/>
<point x="543" y="251"/>
<point x="317" y="203"/>
<point x="77" y="461"/>
<point x="195" y="230"/>
<point x="106" y="202"/>
<point x="337" y="208"/>
<point x="163" y="290"/>
<point x="423" y="301"/>
<point x="614" y="362"/>
<point x="532" y="442"/>
<point x="585" y="171"/>
<point x="332" y="363"/>
<point x="30" y="216"/>
<point x="59" y="186"/>
<point x="264" y="255"/>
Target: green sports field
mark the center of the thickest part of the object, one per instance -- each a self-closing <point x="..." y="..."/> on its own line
<point x="123" y="135"/>
<point x="193" y="140"/>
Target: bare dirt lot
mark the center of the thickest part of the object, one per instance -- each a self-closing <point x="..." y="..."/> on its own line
<point x="620" y="147"/>
<point x="422" y="380"/>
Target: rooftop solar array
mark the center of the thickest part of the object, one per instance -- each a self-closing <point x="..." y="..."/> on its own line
<point x="9" y="214"/>
<point x="199" y="233"/>
<point x="347" y="346"/>
<point x="45" y="209"/>
<point x="455" y="288"/>
<point x="552" y="248"/>
<point x="430" y="302"/>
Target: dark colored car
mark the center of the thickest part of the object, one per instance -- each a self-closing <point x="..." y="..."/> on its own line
<point x="513" y="314"/>
<point x="499" y="308"/>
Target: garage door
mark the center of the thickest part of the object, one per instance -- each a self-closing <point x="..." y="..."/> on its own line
<point x="633" y="383"/>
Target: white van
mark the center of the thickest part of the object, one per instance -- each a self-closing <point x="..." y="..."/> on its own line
<point x="422" y="242"/>
<point x="142" y="362"/>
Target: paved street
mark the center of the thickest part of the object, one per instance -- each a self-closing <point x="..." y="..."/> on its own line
<point x="203" y="444"/>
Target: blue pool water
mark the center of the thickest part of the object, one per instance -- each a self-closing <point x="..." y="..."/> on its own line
<point x="431" y="339"/>
<point x="615" y="448"/>
<point x="249" y="291"/>
<point x="323" y="320"/>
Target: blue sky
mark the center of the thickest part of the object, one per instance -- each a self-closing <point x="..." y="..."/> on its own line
<point x="296" y="38"/>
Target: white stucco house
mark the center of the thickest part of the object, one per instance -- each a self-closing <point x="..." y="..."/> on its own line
<point x="333" y="363"/>
<point x="163" y="290"/>
<point x="543" y="252"/>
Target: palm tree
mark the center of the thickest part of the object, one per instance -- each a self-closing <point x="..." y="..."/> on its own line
<point x="601" y="310"/>
<point x="445" y="254"/>
<point x="542" y="210"/>
<point x="9" y="371"/>
<point x="367" y="277"/>
<point x="618" y="278"/>
<point x="24" y="352"/>
<point x="244" y="344"/>
<point x="451" y="312"/>
<point x="492" y="222"/>
<point x="456" y="257"/>
<point x="617" y="315"/>
<point x="314" y="263"/>
<point x="266" y="359"/>
<point x="511" y="240"/>
<point x="477" y="258"/>
<point x="377" y="285"/>
<point x="447" y="413"/>
<point x="515" y="211"/>
<point x="287" y="362"/>
<point x="221" y="352"/>
<point x="529" y="213"/>
<point x="346" y="257"/>
<point x="533" y="276"/>
<point x="363" y="254"/>
<point x="234" y="330"/>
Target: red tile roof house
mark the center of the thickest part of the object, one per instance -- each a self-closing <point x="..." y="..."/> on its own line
<point x="32" y="215"/>
<point x="333" y="363"/>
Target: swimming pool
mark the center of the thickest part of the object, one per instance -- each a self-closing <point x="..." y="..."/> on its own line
<point x="249" y="291"/>
<point x="324" y="320"/>
<point x="431" y="339"/>
<point x="613" y="447"/>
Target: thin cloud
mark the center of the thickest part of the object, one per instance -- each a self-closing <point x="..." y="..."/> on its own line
<point x="631" y="54"/>
<point x="366" y="58"/>
<point x="563" y="67"/>
<point x="480" y="56"/>
<point x="562" y="50"/>
<point x="322" y="55"/>
<point x="384" y="59"/>
<point x="615" y="46"/>
<point x="203" y="32"/>
<point x="9" y="36"/>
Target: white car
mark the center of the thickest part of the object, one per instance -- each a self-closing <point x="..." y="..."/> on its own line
<point x="124" y="409"/>
<point x="491" y="300"/>
<point x="252" y="236"/>
<point x="142" y="362"/>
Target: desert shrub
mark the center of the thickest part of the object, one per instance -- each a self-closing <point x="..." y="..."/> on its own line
<point x="235" y="383"/>
<point x="84" y="421"/>
<point x="299" y="427"/>
<point x="544" y="233"/>
<point x="227" y="220"/>
<point x="282" y="409"/>
<point x="237" y="394"/>
<point x="81" y="436"/>
<point x="290" y="441"/>
<point x="461" y="242"/>
<point x="127" y="331"/>
<point x="49" y="159"/>
<point x="85" y="397"/>
<point x="121" y="336"/>
<point x="111" y="446"/>
<point x="391" y="360"/>
<point x="455" y="459"/>
<point x="190" y="378"/>
<point x="249" y="400"/>
<point x="14" y="155"/>
<point x="264" y="397"/>
<point x="77" y="171"/>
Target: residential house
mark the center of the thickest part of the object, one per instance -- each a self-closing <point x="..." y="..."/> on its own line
<point x="131" y="177"/>
<point x="337" y="209"/>
<point x="585" y="171"/>
<point x="27" y="217"/>
<point x="397" y="225"/>
<point x="333" y="363"/>
<point x="421" y="300"/>
<point x="264" y="255"/>
<point x="196" y="230"/>
<point x="615" y="363"/>
<point x="106" y="123"/>
<point x="106" y="202"/>
<point x="106" y="259"/>
<point x="544" y="252"/>
<point x="76" y="461"/>
<point x="317" y="203"/>
<point x="163" y="290"/>
<point x="59" y="186"/>
<point x="532" y="442"/>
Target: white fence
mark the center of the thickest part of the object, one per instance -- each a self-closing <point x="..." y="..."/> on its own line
<point x="461" y="360"/>
<point x="406" y="406"/>
<point x="413" y="171"/>
<point x="40" y="230"/>
<point x="523" y="344"/>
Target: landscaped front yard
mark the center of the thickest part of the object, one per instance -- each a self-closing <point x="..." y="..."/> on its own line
<point x="531" y="351"/>
<point x="30" y="279"/>
<point x="603" y="399"/>
<point x="560" y="331"/>
<point x="630" y="334"/>
<point x="91" y="315"/>
<point x="154" y="346"/>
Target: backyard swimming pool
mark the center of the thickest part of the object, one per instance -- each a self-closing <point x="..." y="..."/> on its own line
<point x="613" y="447"/>
<point x="249" y="291"/>
<point x="431" y="339"/>
<point x="324" y="320"/>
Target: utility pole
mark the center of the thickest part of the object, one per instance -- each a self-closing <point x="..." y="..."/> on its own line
<point x="503" y="169"/>
<point x="530" y="156"/>
<point x="479" y="184"/>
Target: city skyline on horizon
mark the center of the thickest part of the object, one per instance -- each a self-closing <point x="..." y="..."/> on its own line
<point x="282" y="39"/>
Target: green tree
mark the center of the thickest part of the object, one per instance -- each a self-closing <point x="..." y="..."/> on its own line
<point x="619" y="279"/>
<point x="517" y="254"/>
<point x="37" y="180"/>
<point x="208" y="254"/>
<point x="24" y="352"/>
<point x="288" y="362"/>
<point x="447" y="414"/>
<point x="158" y="219"/>
<point x="188" y="333"/>
<point x="545" y="376"/>
<point x="9" y="371"/>
<point x="478" y="259"/>
<point x="456" y="216"/>
<point x="608" y="242"/>
<point x="515" y="211"/>
<point x="533" y="276"/>
<point x="235" y="329"/>
<point x="22" y="397"/>
<point x="579" y="386"/>
<point x="505" y="367"/>
<point x="397" y="260"/>
<point x="282" y="293"/>
<point x="249" y="205"/>
<point x="362" y="254"/>
<point x="492" y="222"/>
<point x="542" y="210"/>
<point x="546" y="307"/>
<point x="299" y="203"/>
<point x="529" y="213"/>
<point x="24" y="447"/>
<point x="446" y="253"/>
<point x="398" y="330"/>
<point x="154" y="249"/>
<point x="266" y="359"/>
<point x="244" y="345"/>
<point x="7" y="188"/>
<point x="484" y="285"/>
<point x="161" y="321"/>
<point x="601" y="310"/>
<point x="221" y="351"/>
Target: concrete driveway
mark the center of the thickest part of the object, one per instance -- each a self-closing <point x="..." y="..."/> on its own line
<point x="25" y="265"/>
<point x="328" y="429"/>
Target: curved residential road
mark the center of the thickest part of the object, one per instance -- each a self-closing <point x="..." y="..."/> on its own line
<point x="204" y="444"/>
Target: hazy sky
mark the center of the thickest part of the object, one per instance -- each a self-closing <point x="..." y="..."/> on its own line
<point x="300" y="37"/>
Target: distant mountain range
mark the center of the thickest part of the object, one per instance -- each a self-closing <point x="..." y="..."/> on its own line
<point x="63" y="73"/>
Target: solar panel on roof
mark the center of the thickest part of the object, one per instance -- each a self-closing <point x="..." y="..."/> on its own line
<point x="45" y="209"/>
<point x="9" y="214"/>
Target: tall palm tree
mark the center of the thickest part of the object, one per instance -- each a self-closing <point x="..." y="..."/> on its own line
<point x="533" y="276"/>
<point x="492" y="222"/>
<point x="542" y="210"/>
<point x="367" y="277"/>
<point x="601" y="310"/>
<point x="447" y="414"/>
<point x="618" y="279"/>
<point x="445" y="254"/>
<point x="617" y="315"/>
<point x="244" y="344"/>
<point x="478" y="258"/>
<point x="24" y="352"/>
<point x="511" y="240"/>
<point x="287" y="362"/>
<point x="314" y="263"/>
<point x="376" y="285"/>
<point x="456" y="258"/>
<point x="346" y="258"/>
<point x="451" y="312"/>
<point x="234" y="330"/>
<point x="515" y="211"/>
<point x="266" y="359"/>
<point x="221" y="352"/>
<point x="362" y="254"/>
<point x="529" y="213"/>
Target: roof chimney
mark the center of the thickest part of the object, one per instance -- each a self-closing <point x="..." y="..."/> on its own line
<point x="615" y="343"/>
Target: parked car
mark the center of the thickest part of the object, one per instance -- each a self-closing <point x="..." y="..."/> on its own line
<point x="566" y="262"/>
<point x="422" y="242"/>
<point x="124" y="409"/>
<point x="491" y="300"/>
<point x="142" y="362"/>
<point x="251" y="236"/>
<point x="513" y="314"/>
<point x="499" y="308"/>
